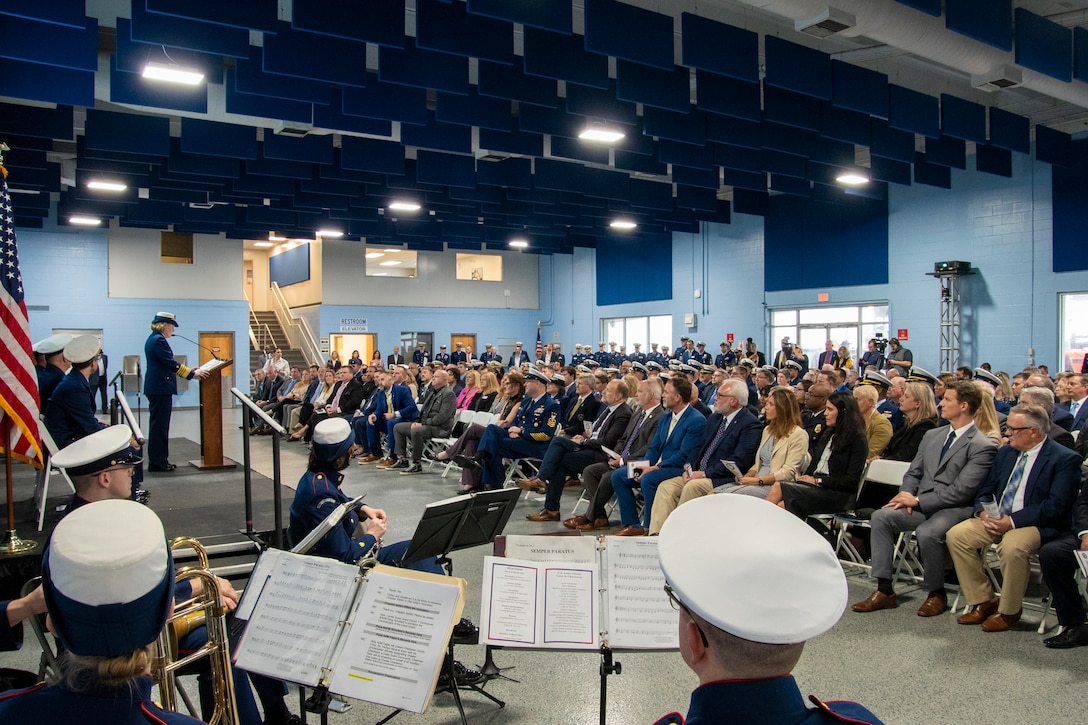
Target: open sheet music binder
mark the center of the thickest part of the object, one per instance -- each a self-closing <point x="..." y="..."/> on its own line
<point x="377" y="634"/>
<point x="577" y="592"/>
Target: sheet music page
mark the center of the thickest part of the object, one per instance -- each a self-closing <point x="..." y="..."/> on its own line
<point x="258" y="577"/>
<point x="569" y="549"/>
<point x="395" y="645"/>
<point x="637" y="609"/>
<point x="296" y="618"/>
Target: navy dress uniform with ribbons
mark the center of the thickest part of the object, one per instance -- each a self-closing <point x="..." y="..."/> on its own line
<point x="537" y="419"/>
<point x="160" y="387"/>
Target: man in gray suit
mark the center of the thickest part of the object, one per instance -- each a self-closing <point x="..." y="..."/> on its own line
<point x="632" y="445"/>
<point x="435" y="421"/>
<point x="938" y="492"/>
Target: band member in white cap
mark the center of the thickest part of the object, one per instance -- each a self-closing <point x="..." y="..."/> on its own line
<point x="744" y="619"/>
<point x="160" y="387"/>
<point x="108" y="580"/>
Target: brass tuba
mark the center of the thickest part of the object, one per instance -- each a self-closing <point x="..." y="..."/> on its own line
<point x="208" y="610"/>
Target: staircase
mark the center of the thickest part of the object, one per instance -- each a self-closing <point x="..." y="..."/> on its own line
<point x="266" y="330"/>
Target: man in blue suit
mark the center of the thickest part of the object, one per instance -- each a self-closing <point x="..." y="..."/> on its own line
<point x="732" y="433"/>
<point x="395" y="405"/>
<point x="1078" y="391"/>
<point x="517" y="357"/>
<point x="676" y="442"/>
<point x="1026" y="501"/>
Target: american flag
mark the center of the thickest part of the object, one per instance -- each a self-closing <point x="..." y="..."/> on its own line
<point x="539" y="344"/>
<point x="18" y="381"/>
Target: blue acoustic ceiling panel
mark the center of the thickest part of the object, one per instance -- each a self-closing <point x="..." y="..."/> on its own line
<point x="313" y="55"/>
<point x="843" y="125"/>
<point x="309" y="149"/>
<point x="993" y="160"/>
<point x="987" y="21"/>
<point x="786" y="138"/>
<point x="605" y="184"/>
<point x="331" y="115"/>
<point x="692" y="197"/>
<point x="890" y="170"/>
<point x="249" y="77"/>
<point x="448" y="27"/>
<point x="382" y="23"/>
<point x="684" y="154"/>
<point x="859" y="89"/>
<point x="624" y="31"/>
<point x="537" y="119"/>
<point x="579" y="150"/>
<point x="791" y="109"/>
<point x="600" y="104"/>
<point x="502" y="81"/>
<point x="783" y="164"/>
<point x="738" y="157"/>
<point x="929" y="7"/>
<point x="387" y="101"/>
<point x="639" y="163"/>
<point x="791" y="185"/>
<point x="276" y="168"/>
<point x="719" y="48"/>
<point x="947" y="151"/>
<point x="931" y="174"/>
<point x="734" y="131"/>
<point x="756" y="181"/>
<point x="50" y="44"/>
<point x="548" y="14"/>
<point x="797" y="68"/>
<point x="127" y="133"/>
<point x="558" y="176"/>
<point x="184" y="34"/>
<point x="59" y="12"/>
<point x="437" y="135"/>
<point x="684" y="127"/>
<point x="132" y="56"/>
<point x="256" y="14"/>
<point x="1080" y="53"/>
<point x="563" y="58"/>
<point x="1070" y="214"/>
<point x="751" y="202"/>
<point x="1053" y="147"/>
<point x="630" y="270"/>
<point x="412" y="66"/>
<point x="474" y="110"/>
<point x="963" y="119"/>
<point x="134" y="90"/>
<point x="1010" y="131"/>
<point x="892" y="143"/>
<point x="702" y="178"/>
<point x="913" y="111"/>
<point x="654" y="87"/>
<point x="650" y="194"/>
<point x="519" y="142"/>
<point x="248" y="104"/>
<point x="38" y="122"/>
<point x="1044" y="46"/>
<point x="728" y="96"/>
<point x="509" y="173"/>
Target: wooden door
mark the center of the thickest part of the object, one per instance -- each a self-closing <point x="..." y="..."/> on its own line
<point x="222" y="345"/>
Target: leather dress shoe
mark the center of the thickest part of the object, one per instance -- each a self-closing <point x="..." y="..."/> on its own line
<point x="631" y="531"/>
<point x="387" y="462"/>
<point x="466" y="462"/>
<point x="532" y="484"/>
<point x="369" y="458"/>
<point x="162" y="469"/>
<point x="933" y="605"/>
<point x="979" y="613"/>
<point x="876" y="601"/>
<point x="595" y="525"/>
<point x="999" y="622"/>
<point x="575" y="521"/>
<point x="1069" y="637"/>
<point x="544" y="515"/>
<point x="465" y="632"/>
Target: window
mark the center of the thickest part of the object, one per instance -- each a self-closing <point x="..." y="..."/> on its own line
<point x="175" y="248"/>
<point x="626" y="331"/>
<point x="1074" y="330"/>
<point x="385" y="262"/>
<point x="852" y="326"/>
<point x="479" y="267"/>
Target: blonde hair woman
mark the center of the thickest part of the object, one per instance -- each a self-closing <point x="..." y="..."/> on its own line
<point x="986" y="415"/>
<point x="878" y="430"/>
<point x="920" y="411"/>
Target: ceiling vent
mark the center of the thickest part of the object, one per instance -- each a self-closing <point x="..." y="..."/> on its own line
<point x="1002" y="77"/>
<point x="829" y="22"/>
<point x="292" y="129"/>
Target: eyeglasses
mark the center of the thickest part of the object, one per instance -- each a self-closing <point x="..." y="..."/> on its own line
<point x="1014" y="429"/>
<point x="678" y="605"/>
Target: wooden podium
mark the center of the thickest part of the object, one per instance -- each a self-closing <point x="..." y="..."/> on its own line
<point x="211" y="419"/>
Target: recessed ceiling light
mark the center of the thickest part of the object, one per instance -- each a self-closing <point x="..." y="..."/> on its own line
<point x="84" y="221"/>
<point x="374" y="255"/>
<point x="398" y="249"/>
<point x="273" y="237"/>
<point x="404" y="206"/>
<point x="172" y="73"/>
<point x="106" y="185"/>
<point x="852" y="179"/>
<point x="622" y="224"/>
<point x="518" y="243"/>
<point x="264" y="244"/>
<point x="604" y="134"/>
<point x="390" y="263"/>
<point x="331" y="233"/>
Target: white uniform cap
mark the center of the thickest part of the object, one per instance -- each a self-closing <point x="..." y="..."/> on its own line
<point x="82" y="348"/>
<point x="97" y="452"/>
<point x="53" y="343"/>
<point x="752" y="569"/>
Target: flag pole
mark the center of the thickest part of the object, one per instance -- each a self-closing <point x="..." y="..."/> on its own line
<point x="13" y="545"/>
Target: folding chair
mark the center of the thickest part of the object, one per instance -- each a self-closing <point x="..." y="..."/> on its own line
<point x="41" y="481"/>
<point x="879" y="483"/>
<point x="434" y="446"/>
<point x="991" y="566"/>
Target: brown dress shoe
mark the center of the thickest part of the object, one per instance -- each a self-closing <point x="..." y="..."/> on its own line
<point x="575" y="521"/>
<point x="532" y="484"/>
<point x="631" y="531"/>
<point x="877" y="600"/>
<point x="933" y="605"/>
<point x="388" y="462"/>
<point x="544" y="515"/>
<point x="999" y="622"/>
<point x="369" y="458"/>
<point x="595" y="525"/>
<point x="978" y="613"/>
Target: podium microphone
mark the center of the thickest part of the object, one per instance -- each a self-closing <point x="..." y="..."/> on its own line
<point x="202" y="347"/>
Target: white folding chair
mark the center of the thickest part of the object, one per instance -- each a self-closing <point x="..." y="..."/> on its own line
<point x="886" y="476"/>
<point x="434" y="446"/>
<point x="41" y="482"/>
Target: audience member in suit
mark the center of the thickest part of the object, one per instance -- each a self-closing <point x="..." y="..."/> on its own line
<point x="871" y="359"/>
<point x="1059" y="567"/>
<point x="395" y="405"/>
<point x="632" y="445"/>
<point x="569" y="455"/>
<point x="732" y="433"/>
<point x="1078" y="396"/>
<point x="517" y="357"/>
<point x="395" y="358"/>
<point x="829" y="356"/>
<point x="344" y="400"/>
<point x="1045" y="399"/>
<point x="435" y="421"/>
<point x="938" y="492"/>
<point x="709" y="393"/>
<point x="677" y="441"/>
<point x="920" y="417"/>
<point x="1032" y="485"/>
<point x="580" y="407"/>
<point x="833" y="475"/>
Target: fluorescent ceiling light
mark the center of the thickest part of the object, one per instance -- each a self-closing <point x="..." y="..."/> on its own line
<point x="398" y="249"/>
<point x="273" y="237"/>
<point x="601" y="133"/>
<point x="172" y="73"/>
<point x="106" y="185"/>
<point x="84" y="221"/>
<point x="329" y="233"/>
<point x="404" y="206"/>
<point x="519" y="243"/>
<point x="852" y="179"/>
<point x="264" y="244"/>
<point x="390" y="263"/>
<point x="374" y="255"/>
<point x="622" y="224"/>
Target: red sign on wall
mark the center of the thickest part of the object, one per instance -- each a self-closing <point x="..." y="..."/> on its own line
<point x="729" y="337"/>
<point x="901" y="333"/>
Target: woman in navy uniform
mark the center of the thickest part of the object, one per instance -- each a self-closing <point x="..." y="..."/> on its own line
<point x="160" y="387"/>
<point x="108" y="583"/>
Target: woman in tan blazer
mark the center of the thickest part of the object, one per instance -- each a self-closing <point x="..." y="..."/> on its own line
<point x="783" y="449"/>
